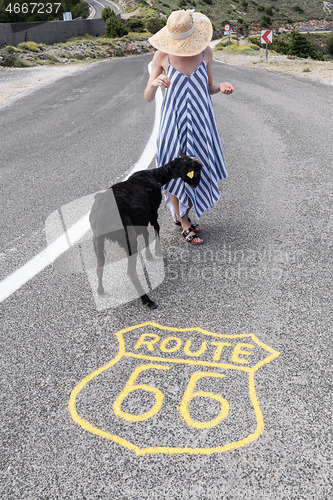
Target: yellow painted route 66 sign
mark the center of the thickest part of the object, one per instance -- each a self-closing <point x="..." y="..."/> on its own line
<point x="172" y="390"/>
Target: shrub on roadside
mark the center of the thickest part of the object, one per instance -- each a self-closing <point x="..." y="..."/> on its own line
<point x="29" y="46"/>
<point x="22" y="63"/>
<point x="255" y="40"/>
<point x="10" y="49"/>
<point x="8" y="60"/>
<point x="234" y="49"/>
<point x="154" y="24"/>
<point x="294" y="44"/>
<point x="53" y="58"/>
<point x="114" y="28"/>
<point x="136" y="24"/>
<point x="302" y="47"/>
<point x="280" y="45"/>
<point x="106" y="13"/>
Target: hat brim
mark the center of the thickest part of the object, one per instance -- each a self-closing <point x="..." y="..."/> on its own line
<point x="189" y="46"/>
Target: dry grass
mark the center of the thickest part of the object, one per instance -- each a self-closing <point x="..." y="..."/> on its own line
<point x="306" y="68"/>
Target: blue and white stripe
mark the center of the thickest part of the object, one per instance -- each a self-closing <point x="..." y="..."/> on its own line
<point x="188" y="125"/>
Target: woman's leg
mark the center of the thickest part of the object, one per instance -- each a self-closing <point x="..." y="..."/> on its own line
<point x="184" y="222"/>
<point x="175" y="205"/>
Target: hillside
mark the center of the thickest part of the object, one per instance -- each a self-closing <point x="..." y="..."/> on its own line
<point x="254" y="13"/>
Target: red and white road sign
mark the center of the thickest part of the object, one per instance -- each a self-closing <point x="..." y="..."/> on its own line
<point x="227" y="27"/>
<point x="266" y="36"/>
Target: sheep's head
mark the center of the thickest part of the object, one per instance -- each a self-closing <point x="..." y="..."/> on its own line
<point x="191" y="170"/>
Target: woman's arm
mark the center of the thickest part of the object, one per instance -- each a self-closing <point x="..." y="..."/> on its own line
<point x="224" y="87"/>
<point x="157" y="78"/>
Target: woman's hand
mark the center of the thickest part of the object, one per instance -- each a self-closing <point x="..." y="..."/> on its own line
<point x="161" y="81"/>
<point x="226" y="88"/>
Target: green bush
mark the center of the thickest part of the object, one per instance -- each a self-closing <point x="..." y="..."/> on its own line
<point x="294" y="44"/>
<point x="115" y="28"/>
<point x="330" y="45"/>
<point x="300" y="46"/>
<point x="154" y="24"/>
<point x="107" y="12"/>
<point x="280" y="45"/>
<point x="298" y="9"/>
<point x="8" y="60"/>
<point x="10" y="49"/>
<point x="79" y="10"/>
<point x="29" y="46"/>
<point x="21" y="63"/>
<point x="136" y="24"/>
<point x="248" y="51"/>
<point x="220" y="45"/>
<point x="53" y="58"/>
<point x="266" y="21"/>
<point x="255" y="40"/>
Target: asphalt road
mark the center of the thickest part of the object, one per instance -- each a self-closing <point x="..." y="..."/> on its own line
<point x="243" y="410"/>
<point x="98" y="6"/>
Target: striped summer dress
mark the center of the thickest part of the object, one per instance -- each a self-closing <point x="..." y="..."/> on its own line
<point x="188" y="125"/>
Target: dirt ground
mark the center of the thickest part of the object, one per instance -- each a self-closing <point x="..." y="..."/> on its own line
<point x="15" y="82"/>
<point x="305" y="68"/>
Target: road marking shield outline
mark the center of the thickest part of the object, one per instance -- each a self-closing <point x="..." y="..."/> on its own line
<point x="163" y="348"/>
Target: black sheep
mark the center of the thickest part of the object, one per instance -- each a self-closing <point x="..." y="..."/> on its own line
<point x="124" y="211"/>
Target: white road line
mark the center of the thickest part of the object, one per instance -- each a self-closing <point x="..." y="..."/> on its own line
<point x="18" y="278"/>
<point x="93" y="11"/>
<point x="102" y="5"/>
<point x="118" y="11"/>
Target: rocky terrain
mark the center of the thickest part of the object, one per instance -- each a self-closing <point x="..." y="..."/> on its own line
<point x="87" y="48"/>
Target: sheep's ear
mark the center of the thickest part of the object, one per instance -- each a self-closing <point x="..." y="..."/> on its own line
<point x="182" y="154"/>
<point x="190" y="174"/>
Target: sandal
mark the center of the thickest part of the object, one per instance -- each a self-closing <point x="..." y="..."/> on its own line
<point x="190" y="238"/>
<point x="195" y="228"/>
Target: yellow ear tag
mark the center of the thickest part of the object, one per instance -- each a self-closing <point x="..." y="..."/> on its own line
<point x="190" y="174"/>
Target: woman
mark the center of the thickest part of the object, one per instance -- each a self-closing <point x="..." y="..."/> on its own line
<point x="183" y="66"/>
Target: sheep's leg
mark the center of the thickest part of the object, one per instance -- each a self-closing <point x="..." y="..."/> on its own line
<point x="98" y="242"/>
<point x="131" y="238"/>
<point x="145" y="234"/>
<point x="158" y="250"/>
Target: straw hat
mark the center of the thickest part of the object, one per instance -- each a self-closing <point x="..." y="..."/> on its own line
<point x="186" y="33"/>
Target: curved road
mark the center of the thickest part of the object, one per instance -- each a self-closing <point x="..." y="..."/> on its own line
<point x="254" y="387"/>
<point x="96" y="7"/>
